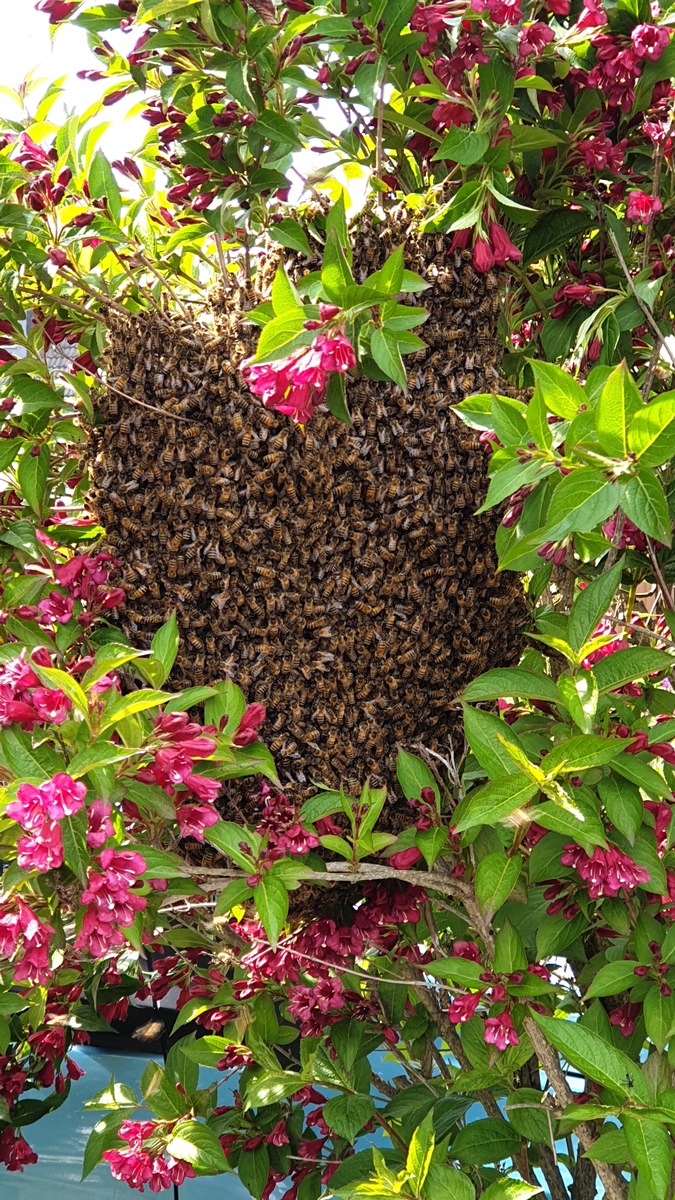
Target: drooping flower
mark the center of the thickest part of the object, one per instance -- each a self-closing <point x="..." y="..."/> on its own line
<point x="247" y="729"/>
<point x="606" y="872"/>
<point x="642" y="207"/>
<point x="463" y="1007"/>
<point x="624" y="1018"/>
<point x="296" y="385"/>
<point x="649" y="41"/>
<point x="500" y="1032"/>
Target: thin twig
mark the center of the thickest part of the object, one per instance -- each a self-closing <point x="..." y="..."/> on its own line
<point x="640" y="302"/>
<point x="151" y="407"/>
<point x="614" y="1184"/>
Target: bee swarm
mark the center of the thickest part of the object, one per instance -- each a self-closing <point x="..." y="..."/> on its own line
<point x="339" y="575"/>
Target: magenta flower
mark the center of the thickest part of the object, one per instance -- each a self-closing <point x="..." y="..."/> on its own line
<point x="502" y="247"/>
<point x="56" y="609"/>
<point x="534" y="38"/>
<point x="642" y="207"/>
<point x="41" y="850"/>
<point x="649" y="41"/>
<point x="247" y="729"/>
<point x="99" y="824"/>
<point x="624" y="1018"/>
<point x="193" y="819"/>
<point x="15" y="1152"/>
<point x="483" y="255"/>
<point x="463" y="1007"/>
<point x="605" y="872"/>
<point x="51" y="705"/>
<point x="296" y="385"/>
<point x="403" y="860"/>
<point x="499" y="1031"/>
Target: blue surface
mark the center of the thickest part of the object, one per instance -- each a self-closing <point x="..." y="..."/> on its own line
<point x="60" y="1138"/>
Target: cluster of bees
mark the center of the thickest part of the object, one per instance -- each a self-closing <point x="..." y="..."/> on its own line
<point x="338" y="574"/>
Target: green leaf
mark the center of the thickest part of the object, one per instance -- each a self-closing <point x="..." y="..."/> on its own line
<point x="32" y="475"/>
<point x="463" y="146"/>
<point x="511" y="1189"/>
<point x="637" y="771"/>
<point x="536" y="418"/>
<point x="336" y="277"/>
<point x="226" y="836"/>
<point x="285" y="297"/>
<point x="496" y="877"/>
<point x="511" y="681"/>
<point x="253" y="1168"/>
<point x="336" y="225"/>
<point x="346" y="1115"/>
<point x="54" y="678"/>
<point x="617" y="404"/>
<point x="552" y="232"/>
<point x="283" y="334"/>
<point x="561" y="393"/>
<point x="164" y="645"/>
<point x="625" y="666"/>
<point x="431" y="842"/>
<point x="385" y="351"/>
<point x="580" y="694"/>
<point x="623" y="805"/>
<point x="125" y="706"/>
<point x="659" y="1014"/>
<point x="488" y="1141"/>
<point x="611" y="979"/>
<point x="582" y="752"/>
<point x="580" y="502"/>
<point x="291" y="234"/>
<point x="390" y="277"/>
<point x="270" y="897"/>
<point x="651" y="1151"/>
<point x="529" y="1116"/>
<point x="196" y="1144"/>
<point x="236" y="892"/>
<point x="481" y="730"/>
<point x="74" y="835"/>
<point x="420" y="1151"/>
<point x="460" y="971"/>
<point x="591" y="604"/>
<point x="651" y="434"/>
<point x="102" y="1137"/>
<point x="460" y="212"/>
<point x="645" y="504"/>
<point x="447" y="1183"/>
<point x="610" y="1147"/>
<point x="335" y="398"/>
<point x="594" y="1056"/>
<point x="493" y="802"/>
<point x="102" y="183"/>
<point x="413" y="775"/>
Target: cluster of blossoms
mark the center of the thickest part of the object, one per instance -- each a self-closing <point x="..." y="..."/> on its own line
<point x="15" y="1152"/>
<point x="178" y="744"/>
<point x="38" y="810"/>
<point x="111" y="904"/>
<point x="296" y="385"/>
<point x="280" y="823"/>
<point x="84" y="578"/>
<point x="498" y="1029"/>
<point x="25" y="940"/>
<point x="605" y="872"/>
<point x="620" y="61"/>
<point x="493" y="250"/>
<point x="145" y="1161"/>
<point x="23" y="699"/>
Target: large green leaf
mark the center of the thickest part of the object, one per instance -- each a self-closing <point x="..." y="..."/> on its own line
<point x="651" y="434"/>
<point x="493" y="802"/>
<point x="593" y="1056"/>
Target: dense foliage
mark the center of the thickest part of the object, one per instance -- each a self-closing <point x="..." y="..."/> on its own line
<point x="518" y="936"/>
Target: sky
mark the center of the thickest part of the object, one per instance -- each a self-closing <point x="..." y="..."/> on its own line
<point x="29" y="44"/>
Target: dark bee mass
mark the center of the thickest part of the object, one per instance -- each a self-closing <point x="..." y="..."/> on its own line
<point x="339" y="575"/>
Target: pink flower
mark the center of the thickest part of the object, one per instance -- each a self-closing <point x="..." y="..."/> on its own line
<point x="624" y="1018"/>
<point x="502" y="247"/>
<point x="144" y="1161"/>
<point x="41" y="850"/>
<point x="642" y="207"/>
<point x="499" y="1031"/>
<point x="649" y="41"/>
<point x="56" y="608"/>
<point x="51" y="705"/>
<point x="534" y="38"/>
<point x="605" y="872"/>
<point x="278" y="1136"/>
<point x="430" y="20"/>
<point x="337" y="352"/>
<point x="403" y="860"/>
<point x="247" y="729"/>
<point x="193" y="819"/>
<point x="463" y="1007"/>
<point x="23" y="934"/>
<point x="65" y="798"/>
<point x="468" y="950"/>
<point x="483" y="255"/>
<point x="15" y="1152"/>
<point x="99" y="824"/>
